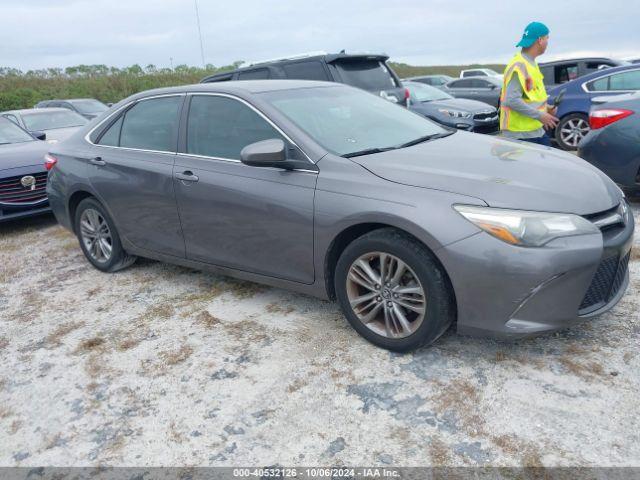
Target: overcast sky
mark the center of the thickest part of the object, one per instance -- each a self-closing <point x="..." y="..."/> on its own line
<point x="60" y="33"/>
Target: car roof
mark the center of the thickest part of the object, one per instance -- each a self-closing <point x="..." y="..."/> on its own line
<point x="600" y="73"/>
<point x="580" y="59"/>
<point x="241" y="87"/>
<point x="328" y="58"/>
<point x="37" y="110"/>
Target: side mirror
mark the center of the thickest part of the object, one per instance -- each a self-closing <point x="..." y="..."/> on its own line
<point x="493" y="86"/>
<point x="39" y="135"/>
<point x="110" y="104"/>
<point x="267" y="153"/>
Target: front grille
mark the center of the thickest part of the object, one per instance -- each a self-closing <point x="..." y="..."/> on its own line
<point x="490" y="128"/>
<point x="605" y="284"/>
<point x="12" y="192"/>
<point x="486" y="116"/>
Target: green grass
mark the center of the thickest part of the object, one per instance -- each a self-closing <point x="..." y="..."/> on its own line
<point x="110" y="84"/>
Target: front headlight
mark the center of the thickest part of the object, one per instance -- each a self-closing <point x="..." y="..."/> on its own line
<point x="526" y="229"/>
<point x="455" y="113"/>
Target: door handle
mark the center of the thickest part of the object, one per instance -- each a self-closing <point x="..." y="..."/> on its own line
<point x="97" y="161"/>
<point x="187" y="176"/>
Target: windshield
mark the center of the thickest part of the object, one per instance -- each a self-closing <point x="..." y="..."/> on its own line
<point x="11" y="133"/>
<point x="346" y="120"/>
<point x="424" y="93"/>
<point x="492" y="72"/>
<point x="89" y="106"/>
<point x="366" y="74"/>
<point x="48" y="120"/>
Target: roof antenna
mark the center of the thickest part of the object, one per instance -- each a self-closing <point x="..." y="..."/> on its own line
<point x="199" y="33"/>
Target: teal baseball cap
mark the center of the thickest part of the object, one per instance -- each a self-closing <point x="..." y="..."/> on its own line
<point x="533" y="32"/>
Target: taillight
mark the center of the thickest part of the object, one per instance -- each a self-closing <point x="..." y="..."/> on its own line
<point x="607" y="116"/>
<point x="406" y="94"/>
<point x="50" y="161"/>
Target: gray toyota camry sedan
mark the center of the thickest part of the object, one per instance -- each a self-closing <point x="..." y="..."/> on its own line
<point x="330" y="191"/>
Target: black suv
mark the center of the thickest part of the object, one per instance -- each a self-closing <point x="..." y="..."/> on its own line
<point x="563" y="71"/>
<point x="369" y="72"/>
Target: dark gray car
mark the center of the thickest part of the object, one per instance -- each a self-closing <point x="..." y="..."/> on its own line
<point x="325" y="189"/>
<point x="459" y="113"/>
<point x="56" y="123"/>
<point x="483" y="89"/>
<point x="437" y="81"/>
<point x="89" y="108"/>
<point x="613" y="143"/>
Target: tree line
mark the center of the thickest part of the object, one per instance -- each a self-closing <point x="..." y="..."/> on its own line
<point x="20" y="89"/>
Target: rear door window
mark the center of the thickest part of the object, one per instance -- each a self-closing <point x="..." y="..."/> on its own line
<point x="600" y="85"/>
<point x="464" y="83"/>
<point x="566" y="73"/>
<point x="367" y="74"/>
<point x="152" y="125"/>
<point x="305" y="71"/>
<point x="625" y="81"/>
<point x="112" y="136"/>
<point x="257" y="74"/>
<point x="221" y="127"/>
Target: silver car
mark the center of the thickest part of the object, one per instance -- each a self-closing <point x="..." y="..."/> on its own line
<point x="328" y="190"/>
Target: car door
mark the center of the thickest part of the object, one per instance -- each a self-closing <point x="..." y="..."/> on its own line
<point x="131" y="170"/>
<point x="461" y="88"/>
<point x="486" y="92"/>
<point x="254" y="219"/>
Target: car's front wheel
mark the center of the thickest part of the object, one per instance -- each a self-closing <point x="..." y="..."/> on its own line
<point x="99" y="238"/>
<point x="393" y="291"/>
<point x="571" y="130"/>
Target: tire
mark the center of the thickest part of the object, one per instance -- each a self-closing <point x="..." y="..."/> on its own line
<point x="422" y="271"/>
<point x="571" y="130"/>
<point x="106" y="253"/>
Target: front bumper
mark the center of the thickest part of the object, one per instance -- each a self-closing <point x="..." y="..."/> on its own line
<point x="12" y="213"/>
<point x="504" y="291"/>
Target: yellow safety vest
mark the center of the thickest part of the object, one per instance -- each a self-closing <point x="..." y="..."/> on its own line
<point x="534" y="94"/>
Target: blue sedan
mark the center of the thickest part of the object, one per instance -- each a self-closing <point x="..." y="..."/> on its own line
<point x="23" y="173"/>
<point x="573" y="110"/>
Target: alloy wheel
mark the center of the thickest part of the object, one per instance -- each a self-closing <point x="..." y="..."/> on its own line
<point x="95" y="235"/>
<point x="573" y="131"/>
<point x="386" y="295"/>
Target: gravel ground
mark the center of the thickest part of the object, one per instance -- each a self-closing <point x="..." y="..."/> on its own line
<point x="161" y="365"/>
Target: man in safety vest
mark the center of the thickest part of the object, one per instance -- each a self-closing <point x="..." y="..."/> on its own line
<point x="524" y="113"/>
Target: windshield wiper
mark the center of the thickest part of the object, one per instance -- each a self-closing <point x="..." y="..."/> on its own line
<point x="367" y="151"/>
<point x="426" y="138"/>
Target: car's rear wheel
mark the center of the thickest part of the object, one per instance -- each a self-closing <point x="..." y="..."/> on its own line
<point x="571" y="130"/>
<point x="99" y="238"/>
<point x="393" y="291"/>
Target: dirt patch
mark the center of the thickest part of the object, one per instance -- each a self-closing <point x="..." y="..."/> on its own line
<point x="54" y="339"/>
<point x="89" y="345"/>
<point x="439" y="453"/>
<point x="128" y="343"/>
<point x="177" y="356"/>
<point x="207" y="320"/>
<point x="461" y="398"/>
<point x="588" y="371"/>
<point x="277" y="308"/>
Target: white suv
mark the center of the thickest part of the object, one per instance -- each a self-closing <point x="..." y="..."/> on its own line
<point x="479" y="72"/>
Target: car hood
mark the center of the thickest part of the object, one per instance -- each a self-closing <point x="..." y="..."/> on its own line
<point x="502" y="173"/>
<point x="472" y="106"/>
<point x="25" y="154"/>
<point x="61" y="133"/>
